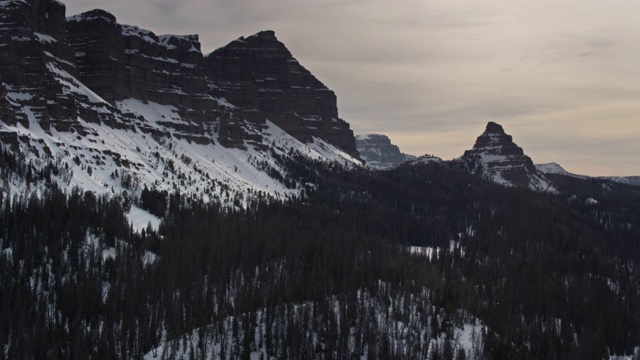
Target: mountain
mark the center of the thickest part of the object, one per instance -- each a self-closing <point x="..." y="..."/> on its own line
<point x="497" y="158"/>
<point x="258" y="72"/>
<point x="112" y="108"/>
<point x="628" y="180"/>
<point x="554" y="168"/>
<point x="379" y="153"/>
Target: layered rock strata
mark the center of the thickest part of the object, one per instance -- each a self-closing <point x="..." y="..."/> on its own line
<point x="47" y="61"/>
<point x="379" y="153"/>
<point x="497" y="158"/>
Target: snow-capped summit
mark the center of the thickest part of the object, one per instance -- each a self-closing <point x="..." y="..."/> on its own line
<point x="497" y="158"/>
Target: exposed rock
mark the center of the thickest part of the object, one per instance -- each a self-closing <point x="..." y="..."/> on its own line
<point x="426" y="159"/>
<point x="379" y="153"/>
<point x="122" y="61"/>
<point x="235" y="88"/>
<point x="497" y="158"/>
<point x="67" y="72"/>
<point x="259" y="72"/>
<point x="34" y="55"/>
<point x="97" y="42"/>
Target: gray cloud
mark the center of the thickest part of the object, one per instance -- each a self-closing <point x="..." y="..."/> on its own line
<point x="600" y="43"/>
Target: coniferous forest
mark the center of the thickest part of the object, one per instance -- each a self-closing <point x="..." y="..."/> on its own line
<point x="420" y="262"/>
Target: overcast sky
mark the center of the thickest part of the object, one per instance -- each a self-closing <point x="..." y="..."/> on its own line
<point x="562" y="77"/>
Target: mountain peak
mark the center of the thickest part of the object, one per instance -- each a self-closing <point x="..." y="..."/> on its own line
<point x="379" y="153"/>
<point x="259" y="72"/>
<point x="95" y="14"/>
<point x="265" y="34"/>
<point x="494" y="128"/>
<point x="497" y="158"/>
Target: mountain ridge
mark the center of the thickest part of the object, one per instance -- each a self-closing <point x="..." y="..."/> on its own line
<point x="117" y="107"/>
<point x="555" y="168"/>
<point x="379" y="153"/>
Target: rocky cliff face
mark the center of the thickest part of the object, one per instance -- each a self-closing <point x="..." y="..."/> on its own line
<point x="258" y="72"/>
<point x="497" y="158"/>
<point x="123" y="61"/>
<point x="227" y="96"/>
<point x="34" y="57"/>
<point x="110" y="107"/>
<point x="378" y="151"/>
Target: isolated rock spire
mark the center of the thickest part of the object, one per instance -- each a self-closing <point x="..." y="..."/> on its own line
<point x="497" y="158"/>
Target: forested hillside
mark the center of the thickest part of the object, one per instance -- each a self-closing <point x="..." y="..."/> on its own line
<point x="419" y="262"/>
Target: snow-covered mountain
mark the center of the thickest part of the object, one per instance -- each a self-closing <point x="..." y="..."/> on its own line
<point x="628" y="180"/>
<point x="112" y="108"/>
<point x="554" y="168"/>
<point x="379" y="153"/>
<point x="497" y="158"/>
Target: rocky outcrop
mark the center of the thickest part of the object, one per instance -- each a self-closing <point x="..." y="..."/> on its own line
<point x="57" y="70"/>
<point x="34" y="53"/>
<point x="97" y="42"/>
<point x="259" y="72"/>
<point x="426" y="159"/>
<point x="379" y="153"/>
<point x="122" y="61"/>
<point x="497" y="158"/>
<point x="232" y="91"/>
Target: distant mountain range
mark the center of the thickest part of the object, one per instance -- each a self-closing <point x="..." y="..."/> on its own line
<point x="554" y="168"/>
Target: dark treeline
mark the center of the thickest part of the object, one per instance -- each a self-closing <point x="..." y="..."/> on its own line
<point x="328" y="275"/>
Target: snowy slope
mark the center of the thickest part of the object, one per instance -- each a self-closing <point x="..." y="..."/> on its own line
<point x="141" y="151"/>
<point x="140" y="219"/>
<point x="400" y="320"/>
<point x="554" y="168"/>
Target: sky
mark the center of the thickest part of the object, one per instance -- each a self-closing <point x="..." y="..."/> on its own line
<point x="562" y="77"/>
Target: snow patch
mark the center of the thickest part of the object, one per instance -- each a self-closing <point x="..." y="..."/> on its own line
<point x="140" y="219"/>
<point x="591" y="202"/>
<point x="44" y="38"/>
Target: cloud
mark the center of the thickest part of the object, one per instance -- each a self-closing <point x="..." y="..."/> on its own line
<point x="600" y="43"/>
